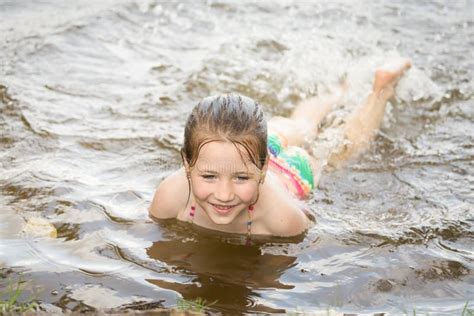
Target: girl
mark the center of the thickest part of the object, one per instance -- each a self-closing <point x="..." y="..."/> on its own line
<point x="242" y="175"/>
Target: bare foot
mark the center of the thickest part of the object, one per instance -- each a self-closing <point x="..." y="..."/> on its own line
<point x="387" y="76"/>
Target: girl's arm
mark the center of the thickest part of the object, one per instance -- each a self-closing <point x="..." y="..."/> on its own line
<point x="170" y="197"/>
<point x="293" y="222"/>
<point x="284" y="216"/>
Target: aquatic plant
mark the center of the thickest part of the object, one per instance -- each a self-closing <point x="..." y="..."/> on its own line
<point x="467" y="311"/>
<point x="198" y="305"/>
<point x="11" y="303"/>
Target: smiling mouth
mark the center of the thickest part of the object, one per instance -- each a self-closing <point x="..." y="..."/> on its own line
<point x="223" y="209"/>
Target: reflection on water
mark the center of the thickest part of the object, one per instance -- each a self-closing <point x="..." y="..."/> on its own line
<point x="228" y="274"/>
<point x="92" y="105"/>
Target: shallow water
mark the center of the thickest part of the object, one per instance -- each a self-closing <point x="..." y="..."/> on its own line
<point x="93" y="101"/>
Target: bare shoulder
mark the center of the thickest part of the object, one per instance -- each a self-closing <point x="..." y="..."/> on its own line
<point x="170" y="196"/>
<point x="289" y="220"/>
<point x="284" y="215"/>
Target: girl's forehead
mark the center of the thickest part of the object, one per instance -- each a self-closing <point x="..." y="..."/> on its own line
<point x="223" y="155"/>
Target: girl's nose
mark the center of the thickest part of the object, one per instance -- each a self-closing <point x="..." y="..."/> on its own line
<point x="224" y="191"/>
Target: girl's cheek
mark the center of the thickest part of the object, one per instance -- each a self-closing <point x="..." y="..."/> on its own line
<point x="201" y="189"/>
<point x="248" y="192"/>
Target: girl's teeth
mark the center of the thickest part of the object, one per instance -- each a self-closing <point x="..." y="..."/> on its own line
<point x="223" y="207"/>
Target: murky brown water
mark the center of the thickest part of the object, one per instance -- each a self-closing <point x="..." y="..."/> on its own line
<point x="93" y="102"/>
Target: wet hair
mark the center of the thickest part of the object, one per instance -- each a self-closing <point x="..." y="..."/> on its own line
<point x="234" y="118"/>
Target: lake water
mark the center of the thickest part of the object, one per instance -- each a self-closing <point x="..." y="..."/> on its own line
<point x="93" y="100"/>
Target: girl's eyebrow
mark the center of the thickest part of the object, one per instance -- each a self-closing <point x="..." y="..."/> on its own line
<point x="208" y="171"/>
<point x="247" y="173"/>
<point x="235" y="173"/>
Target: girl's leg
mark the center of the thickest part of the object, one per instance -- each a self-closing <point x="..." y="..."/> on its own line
<point x="359" y="128"/>
<point x="362" y="125"/>
<point x="305" y="118"/>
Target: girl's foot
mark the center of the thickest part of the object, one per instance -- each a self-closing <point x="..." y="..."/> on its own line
<point x="387" y="76"/>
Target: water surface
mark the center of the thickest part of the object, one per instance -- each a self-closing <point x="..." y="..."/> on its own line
<point x="93" y="100"/>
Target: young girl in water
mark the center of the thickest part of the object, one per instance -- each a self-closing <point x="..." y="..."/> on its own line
<point x="242" y="175"/>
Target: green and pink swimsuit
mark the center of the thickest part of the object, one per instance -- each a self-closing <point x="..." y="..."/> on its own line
<point x="291" y="161"/>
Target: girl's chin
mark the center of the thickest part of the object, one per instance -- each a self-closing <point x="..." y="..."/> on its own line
<point x="221" y="221"/>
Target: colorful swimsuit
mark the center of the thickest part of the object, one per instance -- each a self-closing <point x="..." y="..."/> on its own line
<point x="291" y="161"/>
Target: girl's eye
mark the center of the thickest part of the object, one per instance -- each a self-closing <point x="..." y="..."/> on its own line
<point x="208" y="176"/>
<point x="243" y="178"/>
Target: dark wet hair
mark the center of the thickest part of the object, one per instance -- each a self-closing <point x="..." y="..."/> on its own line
<point x="233" y="118"/>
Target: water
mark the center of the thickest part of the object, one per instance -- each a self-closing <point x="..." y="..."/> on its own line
<point x="93" y="101"/>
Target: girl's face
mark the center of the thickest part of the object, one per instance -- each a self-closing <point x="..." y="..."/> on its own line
<point x="224" y="184"/>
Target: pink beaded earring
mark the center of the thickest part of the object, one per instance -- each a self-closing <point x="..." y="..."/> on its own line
<point x="249" y="222"/>
<point x="192" y="212"/>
